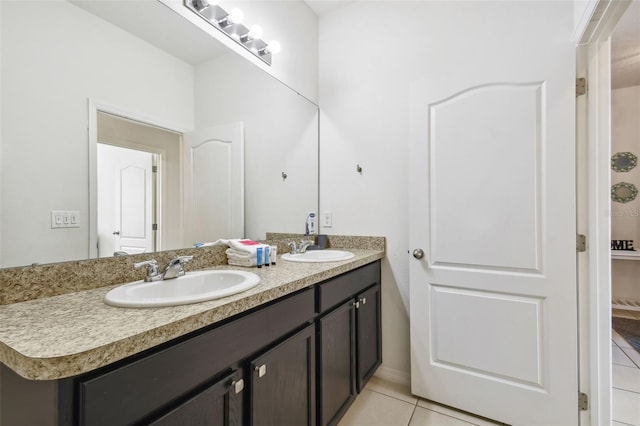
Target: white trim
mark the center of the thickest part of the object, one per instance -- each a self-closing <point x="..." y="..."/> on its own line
<point x="93" y="107"/>
<point x="594" y="216"/>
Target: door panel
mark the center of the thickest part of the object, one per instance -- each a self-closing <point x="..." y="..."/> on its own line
<point x="214" y="203"/>
<point x="492" y="204"/>
<point x="369" y="339"/>
<point x="283" y="383"/>
<point x="463" y="210"/>
<point x="467" y="342"/>
<point x="125" y="200"/>
<point x="337" y="362"/>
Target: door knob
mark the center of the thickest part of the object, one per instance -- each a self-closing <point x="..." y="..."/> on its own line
<point x="418" y="253"/>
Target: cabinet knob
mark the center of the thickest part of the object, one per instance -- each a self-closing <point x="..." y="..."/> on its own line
<point x="237" y="385"/>
<point x="356" y="304"/>
<point x="262" y="370"/>
<point x="363" y="300"/>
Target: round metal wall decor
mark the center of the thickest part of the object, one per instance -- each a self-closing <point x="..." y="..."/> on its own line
<point x="623" y="192"/>
<point x="623" y="161"/>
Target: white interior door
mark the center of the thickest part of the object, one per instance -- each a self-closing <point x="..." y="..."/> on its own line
<point x="215" y="168"/>
<point x="125" y="200"/>
<point x="492" y="206"/>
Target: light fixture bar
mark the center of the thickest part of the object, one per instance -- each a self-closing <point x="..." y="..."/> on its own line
<point x="230" y="23"/>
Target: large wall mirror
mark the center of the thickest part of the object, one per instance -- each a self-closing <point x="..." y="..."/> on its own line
<point x="219" y="132"/>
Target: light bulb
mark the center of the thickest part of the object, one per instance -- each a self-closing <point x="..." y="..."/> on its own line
<point x="256" y="32"/>
<point x="236" y="16"/>
<point x="274" y="47"/>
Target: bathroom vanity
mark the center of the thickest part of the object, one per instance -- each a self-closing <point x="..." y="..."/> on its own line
<point x="294" y="351"/>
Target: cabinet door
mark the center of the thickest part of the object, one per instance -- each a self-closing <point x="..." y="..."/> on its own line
<point x="369" y="342"/>
<point x="217" y="405"/>
<point x="337" y="362"/>
<point x="283" y="383"/>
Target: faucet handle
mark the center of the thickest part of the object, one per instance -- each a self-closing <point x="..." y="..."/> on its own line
<point x="152" y="268"/>
<point x="181" y="259"/>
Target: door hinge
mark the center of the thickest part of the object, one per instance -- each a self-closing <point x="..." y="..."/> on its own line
<point x="154" y="227"/>
<point x="583" y="401"/>
<point x="581" y="243"/>
<point x="581" y="86"/>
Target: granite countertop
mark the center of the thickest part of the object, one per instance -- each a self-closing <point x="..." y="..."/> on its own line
<point x="70" y="334"/>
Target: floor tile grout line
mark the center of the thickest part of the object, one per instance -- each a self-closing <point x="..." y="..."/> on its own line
<point x="394" y="397"/>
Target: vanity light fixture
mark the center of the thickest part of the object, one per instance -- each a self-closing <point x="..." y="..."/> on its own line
<point x="230" y="23"/>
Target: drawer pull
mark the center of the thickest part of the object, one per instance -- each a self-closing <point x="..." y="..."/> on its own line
<point x="262" y="370"/>
<point x="237" y="385"/>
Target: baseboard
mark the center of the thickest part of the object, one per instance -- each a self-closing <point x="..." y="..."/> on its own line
<point x="393" y="375"/>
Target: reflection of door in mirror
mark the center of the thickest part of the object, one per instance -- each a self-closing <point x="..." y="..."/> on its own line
<point x="126" y="212"/>
<point x="126" y="200"/>
<point x="214" y="169"/>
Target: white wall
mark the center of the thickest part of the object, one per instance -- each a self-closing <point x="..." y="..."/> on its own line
<point x="370" y="52"/>
<point x="54" y="57"/>
<point x="625" y="217"/>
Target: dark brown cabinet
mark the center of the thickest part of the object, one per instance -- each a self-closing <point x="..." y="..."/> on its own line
<point x="283" y="383"/>
<point x="217" y="405"/>
<point x="349" y="339"/>
<point x="298" y="360"/>
<point x="337" y="363"/>
<point x="368" y="336"/>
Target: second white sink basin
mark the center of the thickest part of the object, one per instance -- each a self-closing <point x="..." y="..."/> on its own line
<point x="193" y="287"/>
<point x="315" y="256"/>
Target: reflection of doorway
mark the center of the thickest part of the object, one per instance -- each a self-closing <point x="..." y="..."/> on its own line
<point x="117" y="130"/>
<point x="127" y="200"/>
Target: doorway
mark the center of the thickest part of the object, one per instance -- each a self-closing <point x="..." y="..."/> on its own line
<point x="594" y="129"/>
<point x="625" y="216"/>
<point x="136" y="186"/>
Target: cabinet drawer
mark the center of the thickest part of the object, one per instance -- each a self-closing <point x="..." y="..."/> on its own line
<point x="127" y="394"/>
<point x="339" y="289"/>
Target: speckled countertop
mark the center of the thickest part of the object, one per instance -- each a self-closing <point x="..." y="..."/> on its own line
<point x="69" y="334"/>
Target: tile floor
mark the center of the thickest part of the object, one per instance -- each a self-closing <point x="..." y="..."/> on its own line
<point x="626" y="376"/>
<point x="384" y="403"/>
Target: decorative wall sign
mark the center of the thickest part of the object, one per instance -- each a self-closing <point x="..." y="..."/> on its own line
<point x="623" y="161"/>
<point x="623" y="192"/>
<point x="622" y="245"/>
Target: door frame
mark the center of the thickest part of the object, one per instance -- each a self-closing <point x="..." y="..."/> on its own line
<point x="593" y="145"/>
<point x="94" y="106"/>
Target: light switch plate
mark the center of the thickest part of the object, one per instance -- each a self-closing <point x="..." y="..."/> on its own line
<point x="65" y="219"/>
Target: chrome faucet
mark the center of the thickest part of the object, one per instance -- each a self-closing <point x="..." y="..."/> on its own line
<point x="301" y="247"/>
<point x="174" y="268"/>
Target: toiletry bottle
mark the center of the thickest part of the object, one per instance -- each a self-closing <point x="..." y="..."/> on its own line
<point x="267" y="259"/>
<point x="259" y="257"/>
<point x="310" y="227"/>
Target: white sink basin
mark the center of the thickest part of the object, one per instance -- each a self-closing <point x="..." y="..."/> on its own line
<point x="315" y="256"/>
<point x="193" y="287"/>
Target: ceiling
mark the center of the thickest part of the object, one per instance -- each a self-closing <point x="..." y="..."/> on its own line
<point x="625" y="49"/>
<point x="322" y="7"/>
